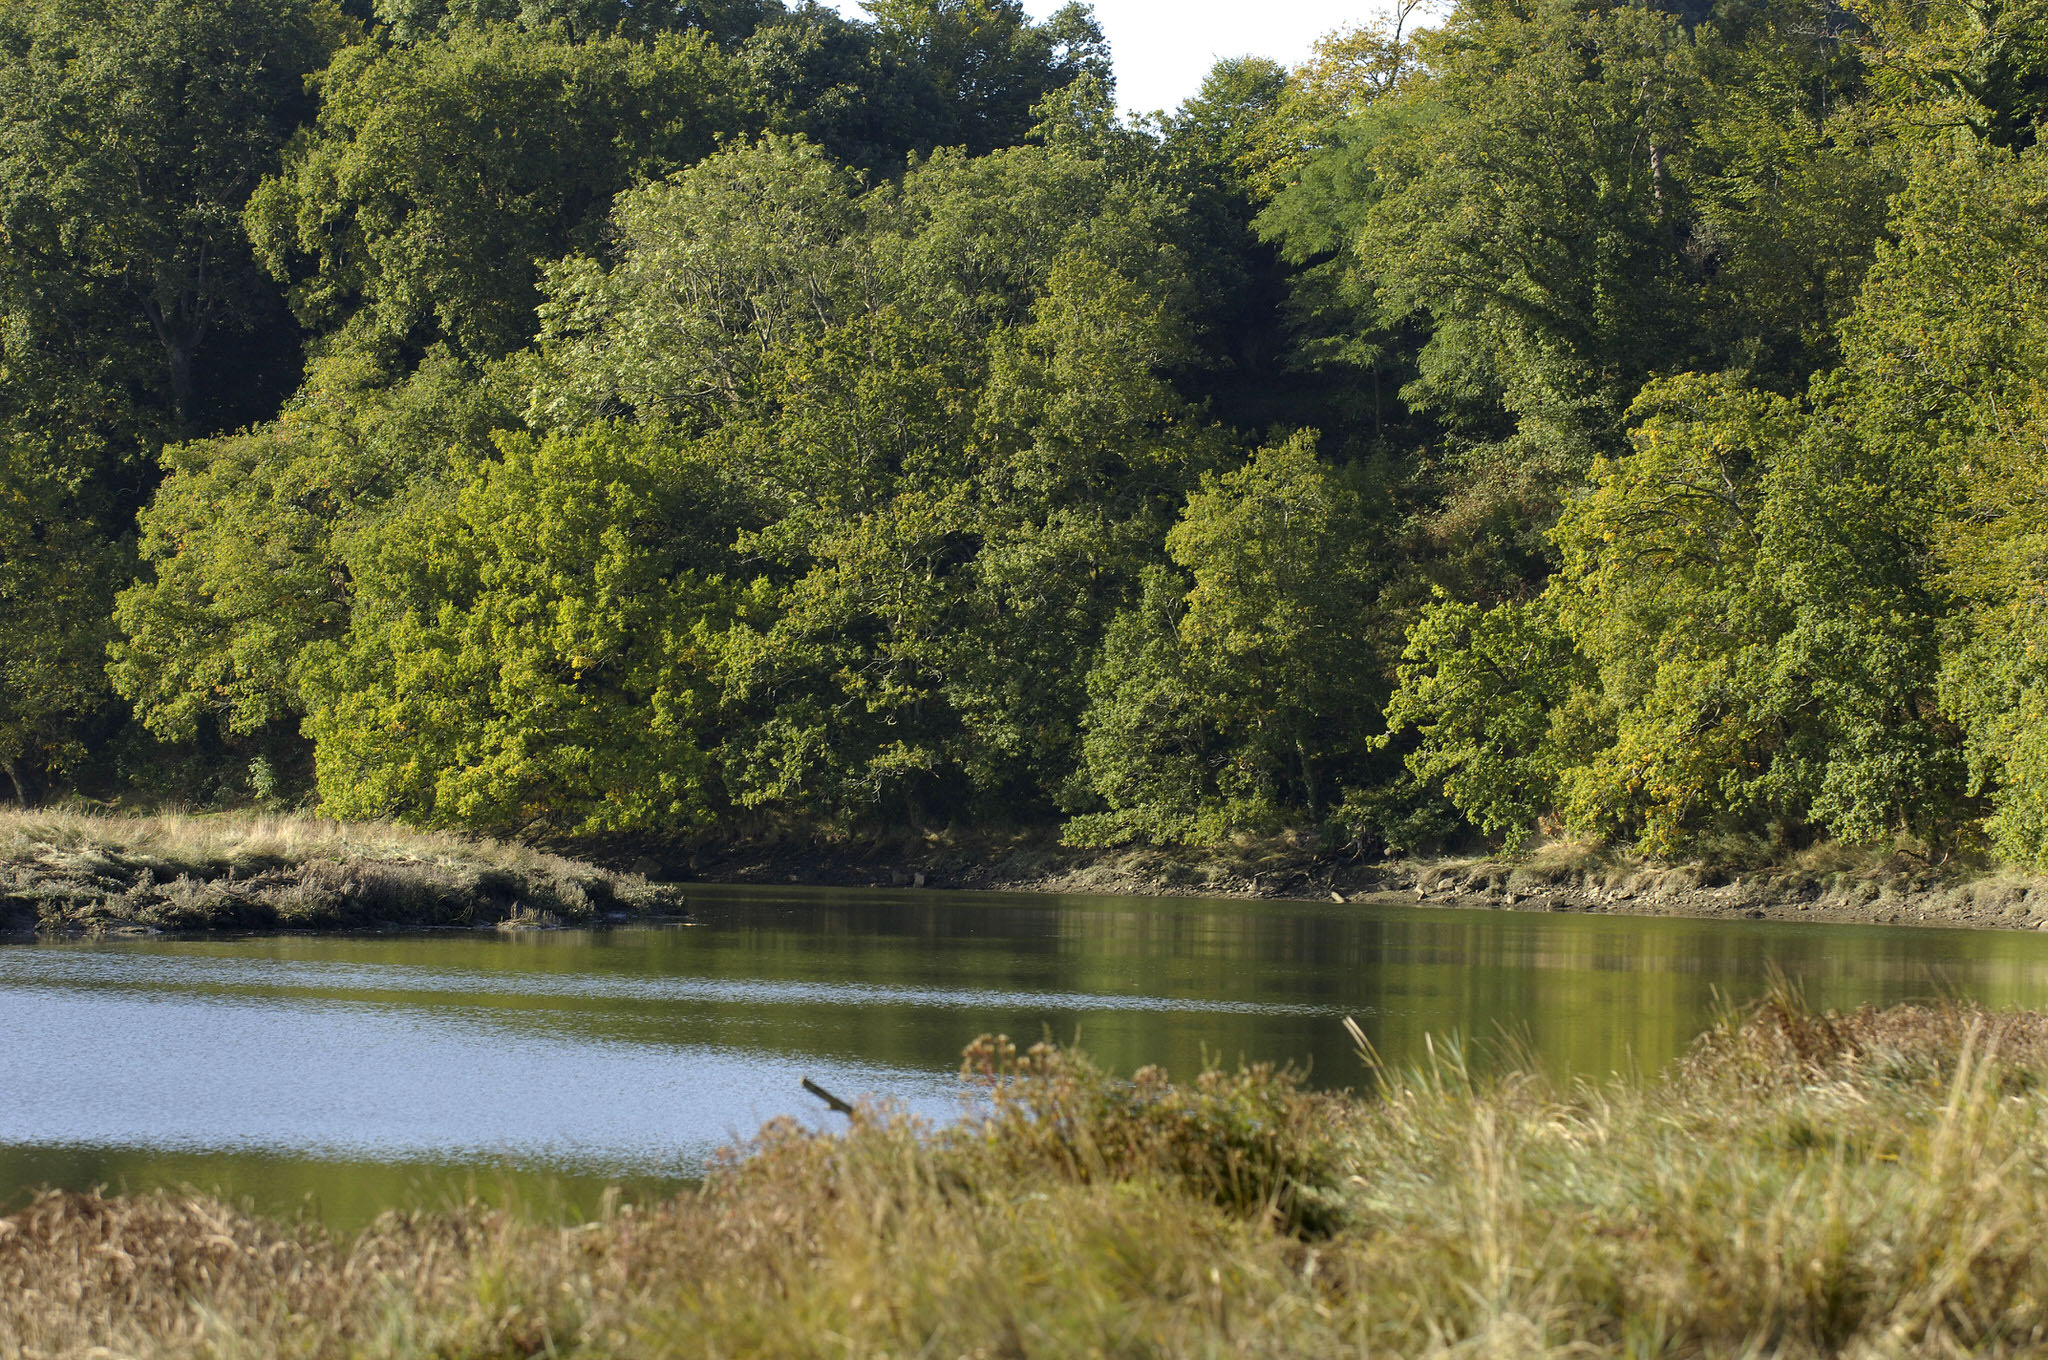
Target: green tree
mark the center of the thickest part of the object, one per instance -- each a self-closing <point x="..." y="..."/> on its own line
<point x="718" y="269"/>
<point x="1149" y="746"/>
<point x="130" y="138"/>
<point x="987" y="63"/>
<point x="1979" y="64"/>
<point x="131" y="309"/>
<point x="58" y="570"/>
<point x="1760" y="598"/>
<point x="1091" y="449"/>
<point x="1558" y="204"/>
<point x="727" y="21"/>
<point x="1016" y="447"/>
<point x="942" y="410"/>
<point x="1347" y="71"/>
<point x="1203" y="158"/>
<point x="439" y="176"/>
<point x="1744" y="639"/>
<point x="254" y="542"/>
<point x="1483" y="690"/>
<point x="1668" y="590"/>
<point x="540" y="648"/>
<point x="1279" y="552"/>
<point x="832" y="81"/>
<point x="1266" y="680"/>
<point x="1950" y="353"/>
<point x="1532" y="221"/>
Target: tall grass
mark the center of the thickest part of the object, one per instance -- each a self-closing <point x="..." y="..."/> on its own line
<point x="62" y="869"/>
<point x="1873" y="1184"/>
<point x="180" y="841"/>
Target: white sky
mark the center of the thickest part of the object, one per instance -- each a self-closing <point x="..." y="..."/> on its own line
<point x="1163" y="48"/>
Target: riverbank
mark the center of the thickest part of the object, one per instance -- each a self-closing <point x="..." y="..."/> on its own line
<point x="1830" y="883"/>
<point x="65" y="872"/>
<point x="73" y="871"/>
<point x="1798" y="1185"/>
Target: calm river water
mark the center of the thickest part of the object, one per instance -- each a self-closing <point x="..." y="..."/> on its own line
<point x="348" y="1075"/>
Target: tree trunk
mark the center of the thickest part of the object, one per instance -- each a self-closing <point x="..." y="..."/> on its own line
<point x="180" y="341"/>
<point x="180" y="358"/>
<point x="1308" y="776"/>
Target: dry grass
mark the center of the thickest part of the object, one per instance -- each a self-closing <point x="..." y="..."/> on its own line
<point x="1866" y="1185"/>
<point x="78" y="870"/>
<point x="246" y="838"/>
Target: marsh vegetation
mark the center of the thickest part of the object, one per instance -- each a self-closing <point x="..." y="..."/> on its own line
<point x="69" y="870"/>
<point x="1799" y="1184"/>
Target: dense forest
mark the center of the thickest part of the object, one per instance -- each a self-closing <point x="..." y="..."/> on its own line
<point x="700" y="419"/>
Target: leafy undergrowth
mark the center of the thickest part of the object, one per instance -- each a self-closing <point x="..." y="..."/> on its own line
<point x="63" y="870"/>
<point x="1800" y="1185"/>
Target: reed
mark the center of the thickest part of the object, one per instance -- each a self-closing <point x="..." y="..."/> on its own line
<point x="1870" y="1184"/>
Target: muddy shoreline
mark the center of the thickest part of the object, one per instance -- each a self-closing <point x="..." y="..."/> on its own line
<point x="319" y="896"/>
<point x="1877" y="893"/>
<point x="68" y="873"/>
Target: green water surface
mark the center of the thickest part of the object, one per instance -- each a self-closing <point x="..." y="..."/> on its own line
<point x="342" y="1076"/>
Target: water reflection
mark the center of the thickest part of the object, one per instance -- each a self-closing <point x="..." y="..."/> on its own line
<point x="382" y="1070"/>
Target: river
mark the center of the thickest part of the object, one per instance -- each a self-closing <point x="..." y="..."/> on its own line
<point x="343" y="1075"/>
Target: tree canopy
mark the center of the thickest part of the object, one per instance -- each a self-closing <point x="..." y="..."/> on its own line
<point x="702" y="418"/>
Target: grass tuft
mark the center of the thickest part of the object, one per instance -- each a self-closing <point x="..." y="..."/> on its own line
<point x="1801" y="1184"/>
<point x="68" y="870"/>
